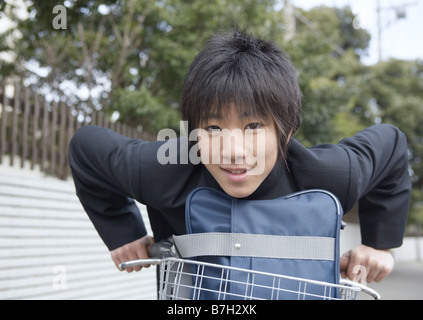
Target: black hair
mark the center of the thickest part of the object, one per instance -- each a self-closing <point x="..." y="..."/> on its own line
<point x="255" y="75"/>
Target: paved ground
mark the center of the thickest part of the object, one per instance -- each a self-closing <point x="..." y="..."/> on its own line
<point x="404" y="283"/>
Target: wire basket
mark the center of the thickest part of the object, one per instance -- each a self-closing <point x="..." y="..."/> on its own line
<point x="182" y="279"/>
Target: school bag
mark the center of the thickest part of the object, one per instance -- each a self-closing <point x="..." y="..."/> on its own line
<point x="295" y="235"/>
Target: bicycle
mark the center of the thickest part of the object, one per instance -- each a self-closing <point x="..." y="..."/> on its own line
<point x="182" y="279"/>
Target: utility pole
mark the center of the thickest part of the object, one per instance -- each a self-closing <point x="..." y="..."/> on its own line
<point x="379" y="30"/>
<point x="290" y="23"/>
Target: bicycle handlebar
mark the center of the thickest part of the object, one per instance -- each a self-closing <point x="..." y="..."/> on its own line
<point x="373" y="293"/>
<point x="157" y="251"/>
<point x="163" y="249"/>
<point x="140" y="262"/>
<point x="166" y="249"/>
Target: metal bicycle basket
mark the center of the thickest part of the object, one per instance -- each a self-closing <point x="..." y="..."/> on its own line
<point x="182" y="279"/>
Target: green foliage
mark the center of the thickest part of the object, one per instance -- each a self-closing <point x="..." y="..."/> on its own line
<point x="139" y="107"/>
<point x="330" y="81"/>
<point x="128" y="50"/>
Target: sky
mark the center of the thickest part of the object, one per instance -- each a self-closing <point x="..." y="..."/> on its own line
<point x="401" y="39"/>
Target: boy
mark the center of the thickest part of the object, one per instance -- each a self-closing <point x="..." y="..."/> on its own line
<point x="241" y="86"/>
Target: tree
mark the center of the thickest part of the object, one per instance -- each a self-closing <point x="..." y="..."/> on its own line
<point x="8" y="13"/>
<point x="326" y="50"/>
<point x="129" y="56"/>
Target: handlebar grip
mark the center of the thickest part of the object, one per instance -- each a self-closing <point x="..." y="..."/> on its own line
<point x="162" y="249"/>
<point x="157" y="251"/>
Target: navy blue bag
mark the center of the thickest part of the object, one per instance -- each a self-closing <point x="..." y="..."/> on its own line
<point x="295" y="235"/>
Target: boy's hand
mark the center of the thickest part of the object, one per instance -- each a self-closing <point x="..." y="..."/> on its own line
<point x="135" y="250"/>
<point x="364" y="263"/>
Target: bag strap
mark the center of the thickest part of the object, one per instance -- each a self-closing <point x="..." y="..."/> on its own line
<point x="255" y="245"/>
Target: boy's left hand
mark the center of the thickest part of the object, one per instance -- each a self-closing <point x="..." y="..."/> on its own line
<point x="364" y="263"/>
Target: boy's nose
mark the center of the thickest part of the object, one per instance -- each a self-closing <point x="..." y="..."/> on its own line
<point x="233" y="149"/>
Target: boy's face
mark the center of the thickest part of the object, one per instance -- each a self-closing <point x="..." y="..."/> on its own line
<point x="238" y="150"/>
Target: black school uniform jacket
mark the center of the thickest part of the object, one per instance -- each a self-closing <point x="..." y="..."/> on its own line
<point x="110" y="170"/>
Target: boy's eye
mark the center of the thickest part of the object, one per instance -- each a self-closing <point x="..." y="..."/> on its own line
<point x="213" y="129"/>
<point x="253" y="126"/>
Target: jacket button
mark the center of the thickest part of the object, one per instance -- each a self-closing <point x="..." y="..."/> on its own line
<point x="237" y="246"/>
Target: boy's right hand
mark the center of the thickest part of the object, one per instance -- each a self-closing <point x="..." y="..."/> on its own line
<point x="135" y="250"/>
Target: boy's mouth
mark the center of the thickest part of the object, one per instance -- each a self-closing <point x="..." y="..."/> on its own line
<point x="236" y="174"/>
<point x="236" y="171"/>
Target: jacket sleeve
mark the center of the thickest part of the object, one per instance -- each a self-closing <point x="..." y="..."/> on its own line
<point x="370" y="168"/>
<point x="106" y="176"/>
<point x="380" y="180"/>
